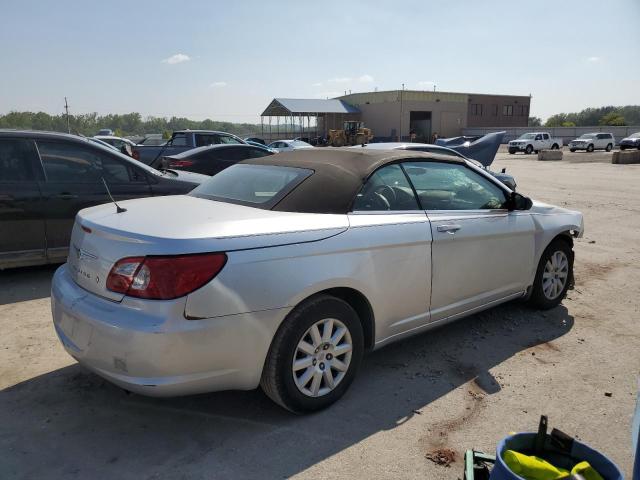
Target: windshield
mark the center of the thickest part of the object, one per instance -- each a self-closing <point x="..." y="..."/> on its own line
<point x="299" y="143"/>
<point x="588" y="135"/>
<point x="253" y="185"/>
<point x="528" y="136"/>
<point x="635" y="135"/>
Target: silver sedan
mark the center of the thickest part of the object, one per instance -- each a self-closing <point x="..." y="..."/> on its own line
<point x="282" y="271"/>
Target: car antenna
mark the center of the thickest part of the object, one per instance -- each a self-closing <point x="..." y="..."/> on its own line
<point x="119" y="209"/>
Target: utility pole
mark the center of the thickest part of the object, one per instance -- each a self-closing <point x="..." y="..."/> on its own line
<point x="401" y="112"/>
<point x="66" y="108"/>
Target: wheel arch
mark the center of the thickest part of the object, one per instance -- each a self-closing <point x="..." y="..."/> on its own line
<point x="359" y="302"/>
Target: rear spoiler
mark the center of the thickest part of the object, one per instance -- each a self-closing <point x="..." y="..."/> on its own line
<point x="480" y="148"/>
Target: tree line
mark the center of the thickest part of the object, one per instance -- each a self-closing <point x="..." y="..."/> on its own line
<point x="589" y="117"/>
<point x="128" y="124"/>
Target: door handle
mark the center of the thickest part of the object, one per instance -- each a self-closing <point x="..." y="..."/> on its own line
<point x="66" y="196"/>
<point x="451" y="229"/>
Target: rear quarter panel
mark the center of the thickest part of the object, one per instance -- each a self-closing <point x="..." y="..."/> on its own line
<point x="388" y="263"/>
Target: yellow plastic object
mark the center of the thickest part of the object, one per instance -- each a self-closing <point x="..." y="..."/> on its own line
<point x="532" y="468"/>
<point x="587" y="471"/>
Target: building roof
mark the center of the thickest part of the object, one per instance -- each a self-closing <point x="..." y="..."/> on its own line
<point x="311" y="106"/>
<point x="339" y="174"/>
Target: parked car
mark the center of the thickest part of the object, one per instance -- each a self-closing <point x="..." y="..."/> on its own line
<point x="182" y="141"/>
<point x="281" y="271"/>
<point x="632" y="141"/>
<point x="45" y="178"/>
<point x="211" y="159"/>
<point x="105" y="131"/>
<point x="289" y="145"/>
<point x="117" y="142"/>
<point x="534" y="142"/>
<point x="255" y="140"/>
<point x="101" y="143"/>
<point x="593" y="141"/>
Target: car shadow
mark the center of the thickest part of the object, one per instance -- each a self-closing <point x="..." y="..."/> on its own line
<point x="26" y="283"/>
<point x="71" y="422"/>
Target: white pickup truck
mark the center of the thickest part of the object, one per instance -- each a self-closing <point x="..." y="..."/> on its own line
<point x="533" y="142"/>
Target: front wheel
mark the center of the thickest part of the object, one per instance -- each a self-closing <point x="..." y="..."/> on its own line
<point x="572" y="150"/>
<point x="314" y="355"/>
<point x="553" y="276"/>
<point x="590" y="148"/>
<point x="609" y="147"/>
<point x="528" y="150"/>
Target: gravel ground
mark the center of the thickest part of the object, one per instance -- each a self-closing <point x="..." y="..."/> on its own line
<point x="462" y="386"/>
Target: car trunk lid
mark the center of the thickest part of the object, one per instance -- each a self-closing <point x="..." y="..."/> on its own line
<point x="175" y="225"/>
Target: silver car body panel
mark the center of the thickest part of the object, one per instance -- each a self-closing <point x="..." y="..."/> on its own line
<point x="416" y="269"/>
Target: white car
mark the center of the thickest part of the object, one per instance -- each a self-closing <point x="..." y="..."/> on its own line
<point x="117" y="142"/>
<point x="289" y="145"/>
<point x="534" y="142"/>
<point x="282" y="271"/>
<point x="593" y="141"/>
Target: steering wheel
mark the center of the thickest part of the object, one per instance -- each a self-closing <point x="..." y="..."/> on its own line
<point x="387" y="192"/>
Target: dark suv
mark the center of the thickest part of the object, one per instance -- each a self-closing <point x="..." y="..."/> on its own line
<point x="45" y="178"/>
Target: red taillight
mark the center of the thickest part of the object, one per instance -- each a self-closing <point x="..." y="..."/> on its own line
<point x="164" y="278"/>
<point x="136" y="154"/>
<point x="180" y="163"/>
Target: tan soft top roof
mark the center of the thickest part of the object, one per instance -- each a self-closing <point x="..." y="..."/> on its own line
<point x="339" y="174"/>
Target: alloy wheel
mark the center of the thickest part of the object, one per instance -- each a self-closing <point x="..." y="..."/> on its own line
<point x="322" y="357"/>
<point x="555" y="275"/>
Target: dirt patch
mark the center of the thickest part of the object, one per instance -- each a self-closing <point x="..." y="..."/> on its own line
<point x="442" y="456"/>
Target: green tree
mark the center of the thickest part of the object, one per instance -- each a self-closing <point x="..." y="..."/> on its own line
<point x="613" y="119"/>
<point x="534" y="122"/>
<point x="568" y="124"/>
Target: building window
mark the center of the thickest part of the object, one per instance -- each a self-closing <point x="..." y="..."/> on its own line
<point x="476" y="109"/>
<point x="507" y="110"/>
<point x="494" y="109"/>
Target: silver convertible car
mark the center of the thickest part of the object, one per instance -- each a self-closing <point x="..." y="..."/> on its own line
<point x="282" y="271"/>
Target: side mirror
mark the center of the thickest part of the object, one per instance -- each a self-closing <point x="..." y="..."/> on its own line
<point x="518" y="201"/>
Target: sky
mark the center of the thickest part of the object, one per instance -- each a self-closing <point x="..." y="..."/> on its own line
<point x="226" y="60"/>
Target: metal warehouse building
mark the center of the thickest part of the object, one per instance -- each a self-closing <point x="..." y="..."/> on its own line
<point x="394" y="113"/>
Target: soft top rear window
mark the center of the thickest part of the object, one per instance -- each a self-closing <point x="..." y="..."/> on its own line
<point x="260" y="186"/>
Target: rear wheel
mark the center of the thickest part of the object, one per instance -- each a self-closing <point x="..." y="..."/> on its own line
<point x="609" y="147"/>
<point x="555" y="147"/>
<point x="590" y="148"/>
<point x="314" y="356"/>
<point x="528" y="150"/>
<point x="553" y="276"/>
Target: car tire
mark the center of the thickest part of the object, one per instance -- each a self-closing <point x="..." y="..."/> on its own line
<point x="609" y="147"/>
<point x="549" y="288"/>
<point x="624" y="148"/>
<point x="528" y="150"/>
<point x="511" y="152"/>
<point x="590" y="148"/>
<point x="284" y="384"/>
<point x="555" y="147"/>
<point x="572" y="150"/>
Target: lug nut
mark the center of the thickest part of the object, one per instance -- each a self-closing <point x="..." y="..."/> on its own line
<point x="321" y="366"/>
<point x="329" y="356"/>
<point x="326" y="346"/>
<point x="314" y="362"/>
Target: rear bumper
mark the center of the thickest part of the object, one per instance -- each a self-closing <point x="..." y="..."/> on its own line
<point x="148" y="347"/>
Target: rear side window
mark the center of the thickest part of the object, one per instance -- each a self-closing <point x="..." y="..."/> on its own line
<point x="179" y="140"/>
<point x="16" y="160"/>
<point x="253" y="185"/>
<point x="70" y="163"/>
